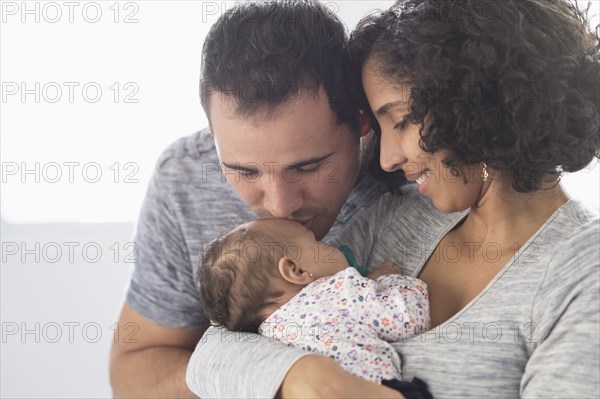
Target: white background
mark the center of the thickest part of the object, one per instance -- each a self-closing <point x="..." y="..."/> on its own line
<point x="66" y="244"/>
<point x="79" y="230"/>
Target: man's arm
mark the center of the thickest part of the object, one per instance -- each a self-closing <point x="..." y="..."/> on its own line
<point x="160" y="322"/>
<point x="148" y="360"/>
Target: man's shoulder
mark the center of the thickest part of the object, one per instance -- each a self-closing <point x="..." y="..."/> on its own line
<point x="363" y="195"/>
<point x="196" y="147"/>
<point x="190" y="161"/>
<point x="409" y="203"/>
<point x="189" y="174"/>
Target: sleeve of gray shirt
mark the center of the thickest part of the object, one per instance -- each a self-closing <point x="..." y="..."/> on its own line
<point x="230" y="353"/>
<point x="162" y="286"/>
<point x="566" y="360"/>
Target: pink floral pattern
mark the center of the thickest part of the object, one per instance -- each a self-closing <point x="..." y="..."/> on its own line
<point x="351" y="319"/>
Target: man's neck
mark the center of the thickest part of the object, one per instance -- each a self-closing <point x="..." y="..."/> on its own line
<point x="367" y="145"/>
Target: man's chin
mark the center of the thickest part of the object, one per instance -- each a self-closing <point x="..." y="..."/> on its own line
<point x="320" y="226"/>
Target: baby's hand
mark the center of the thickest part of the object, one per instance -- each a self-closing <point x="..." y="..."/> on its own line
<point x="385" y="268"/>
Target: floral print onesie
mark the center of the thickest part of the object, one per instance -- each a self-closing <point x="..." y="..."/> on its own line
<point x="351" y="319"/>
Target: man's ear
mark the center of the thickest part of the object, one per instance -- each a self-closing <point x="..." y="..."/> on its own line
<point x="364" y="124"/>
<point x="292" y="273"/>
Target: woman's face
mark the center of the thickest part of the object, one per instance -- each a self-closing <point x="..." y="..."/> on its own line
<point x="400" y="148"/>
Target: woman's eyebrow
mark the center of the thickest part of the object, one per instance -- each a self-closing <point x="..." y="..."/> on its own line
<point x="386" y="107"/>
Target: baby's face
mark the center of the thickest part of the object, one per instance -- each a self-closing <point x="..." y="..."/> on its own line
<point x="301" y="246"/>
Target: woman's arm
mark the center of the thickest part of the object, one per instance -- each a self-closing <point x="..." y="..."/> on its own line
<point x="321" y="377"/>
<point x="229" y="364"/>
<point x="241" y="365"/>
<point x="565" y="329"/>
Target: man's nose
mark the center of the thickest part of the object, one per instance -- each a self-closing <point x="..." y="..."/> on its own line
<point x="282" y="198"/>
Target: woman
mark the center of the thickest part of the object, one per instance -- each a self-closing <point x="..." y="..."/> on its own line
<point x="484" y="105"/>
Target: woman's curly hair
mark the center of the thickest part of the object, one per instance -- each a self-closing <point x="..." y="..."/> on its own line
<point x="513" y="83"/>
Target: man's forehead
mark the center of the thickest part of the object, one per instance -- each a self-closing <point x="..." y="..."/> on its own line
<point x="226" y="106"/>
<point x="304" y="132"/>
<point x="260" y="108"/>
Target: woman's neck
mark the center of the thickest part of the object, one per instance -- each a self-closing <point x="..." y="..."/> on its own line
<point x="508" y="218"/>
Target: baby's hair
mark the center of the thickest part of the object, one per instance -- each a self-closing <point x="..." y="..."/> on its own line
<point x="235" y="277"/>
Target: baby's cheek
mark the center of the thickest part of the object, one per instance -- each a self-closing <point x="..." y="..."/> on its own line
<point x="334" y="259"/>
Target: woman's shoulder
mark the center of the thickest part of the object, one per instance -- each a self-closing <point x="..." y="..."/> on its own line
<point x="572" y="242"/>
<point x="580" y="215"/>
<point x="568" y="292"/>
<point x="574" y="231"/>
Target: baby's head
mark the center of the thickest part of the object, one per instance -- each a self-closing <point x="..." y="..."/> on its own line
<point x="250" y="271"/>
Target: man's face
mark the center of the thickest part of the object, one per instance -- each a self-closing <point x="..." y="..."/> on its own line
<point x="295" y="163"/>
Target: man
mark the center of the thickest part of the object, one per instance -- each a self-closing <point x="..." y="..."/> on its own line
<point x="285" y="142"/>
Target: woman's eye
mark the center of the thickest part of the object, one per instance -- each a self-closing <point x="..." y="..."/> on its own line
<point x="250" y="173"/>
<point x="400" y="125"/>
<point x="309" y="168"/>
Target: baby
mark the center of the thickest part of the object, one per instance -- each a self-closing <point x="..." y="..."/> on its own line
<point x="273" y="277"/>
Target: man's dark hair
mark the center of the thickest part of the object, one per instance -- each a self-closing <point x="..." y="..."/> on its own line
<point x="517" y="87"/>
<point x="263" y="53"/>
<point x="235" y="276"/>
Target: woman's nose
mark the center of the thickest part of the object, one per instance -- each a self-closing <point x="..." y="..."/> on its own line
<point x="390" y="154"/>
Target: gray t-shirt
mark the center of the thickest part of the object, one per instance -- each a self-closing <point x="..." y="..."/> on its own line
<point x="533" y="332"/>
<point x="187" y="204"/>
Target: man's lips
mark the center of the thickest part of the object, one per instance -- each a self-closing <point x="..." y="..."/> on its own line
<point x="304" y="221"/>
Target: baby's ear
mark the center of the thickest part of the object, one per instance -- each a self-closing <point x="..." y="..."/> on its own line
<point x="292" y="273"/>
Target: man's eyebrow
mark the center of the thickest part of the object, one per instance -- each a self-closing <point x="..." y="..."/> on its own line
<point x="253" y="166"/>
<point x="309" y="161"/>
<point x="385" y="108"/>
<point x="240" y="167"/>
